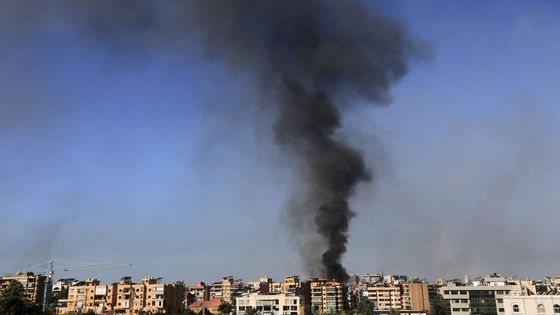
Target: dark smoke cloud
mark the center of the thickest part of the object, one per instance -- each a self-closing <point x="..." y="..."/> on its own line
<point x="308" y="60"/>
<point x="314" y="57"/>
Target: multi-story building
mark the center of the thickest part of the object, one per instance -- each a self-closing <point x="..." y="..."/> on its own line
<point x="324" y="296"/>
<point x="63" y="284"/>
<point x="415" y="296"/>
<point x="216" y="290"/>
<point x="478" y="300"/>
<point x="34" y="285"/>
<point x="197" y="292"/>
<point x="532" y="305"/>
<point x="226" y="289"/>
<point x="291" y="285"/>
<point x="124" y="297"/>
<point x="270" y="304"/>
<point x="386" y="296"/>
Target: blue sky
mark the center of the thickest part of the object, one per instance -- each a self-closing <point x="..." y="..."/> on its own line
<point x="122" y="155"/>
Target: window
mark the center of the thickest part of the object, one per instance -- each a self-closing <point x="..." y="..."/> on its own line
<point x="556" y="309"/>
<point x="541" y="309"/>
<point x="515" y="308"/>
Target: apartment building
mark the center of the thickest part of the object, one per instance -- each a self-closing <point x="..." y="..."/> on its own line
<point x="197" y="292"/>
<point x="386" y="296"/>
<point x="479" y="299"/>
<point x="291" y="285"/>
<point x="532" y="305"/>
<point x="34" y="285"/>
<point x="124" y="297"/>
<point x="415" y="296"/>
<point x="370" y="279"/>
<point x="227" y="289"/>
<point x="270" y="304"/>
<point x="324" y="296"/>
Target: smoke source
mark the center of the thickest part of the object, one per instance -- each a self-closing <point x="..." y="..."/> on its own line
<point x="309" y="59"/>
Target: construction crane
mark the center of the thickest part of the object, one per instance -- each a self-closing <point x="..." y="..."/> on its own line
<point x="66" y="266"/>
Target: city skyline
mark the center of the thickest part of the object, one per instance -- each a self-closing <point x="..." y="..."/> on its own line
<point x="113" y="153"/>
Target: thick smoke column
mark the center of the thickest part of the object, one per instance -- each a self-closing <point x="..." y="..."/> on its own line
<point x="312" y="55"/>
<point x="309" y="60"/>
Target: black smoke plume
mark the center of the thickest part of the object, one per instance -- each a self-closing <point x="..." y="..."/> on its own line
<point x="314" y="57"/>
<point x="309" y="59"/>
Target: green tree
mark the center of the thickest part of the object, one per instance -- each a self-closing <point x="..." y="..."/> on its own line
<point x="365" y="307"/>
<point x="439" y="306"/>
<point x="225" y="308"/>
<point x="13" y="301"/>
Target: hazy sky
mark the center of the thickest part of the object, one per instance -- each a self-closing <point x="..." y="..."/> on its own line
<point x="112" y="154"/>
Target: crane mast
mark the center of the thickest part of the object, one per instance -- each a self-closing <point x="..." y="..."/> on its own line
<point x="81" y="266"/>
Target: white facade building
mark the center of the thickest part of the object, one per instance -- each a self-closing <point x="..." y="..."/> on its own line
<point x="532" y="305"/>
<point x="270" y="304"/>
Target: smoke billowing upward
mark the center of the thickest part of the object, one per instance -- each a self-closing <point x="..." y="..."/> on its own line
<point x="315" y="58"/>
<point x="308" y="59"/>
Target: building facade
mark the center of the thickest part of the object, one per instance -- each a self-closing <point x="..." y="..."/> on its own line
<point x="478" y="300"/>
<point x="270" y="304"/>
<point x="532" y="305"/>
<point x="197" y="292"/>
<point x="324" y="296"/>
<point x="386" y="296"/>
<point x="124" y="297"/>
<point x="415" y="296"/>
<point x="34" y="285"/>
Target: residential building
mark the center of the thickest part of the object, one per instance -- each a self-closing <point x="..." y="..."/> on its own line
<point x="63" y="284"/>
<point x="386" y="296"/>
<point x="291" y="285"/>
<point x="124" y="297"/>
<point x="415" y="296"/>
<point x="227" y="289"/>
<point x="216" y="290"/>
<point x="324" y="296"/>
<point x="270" y="304"/>
<point x="197" y="292"/>
<point x="34" y="285"/>
<point x="478" y="300"/>
<point x="532" y="305"/>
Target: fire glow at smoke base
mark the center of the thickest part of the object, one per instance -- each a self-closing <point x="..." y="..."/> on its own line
<point x="311" y="59"/>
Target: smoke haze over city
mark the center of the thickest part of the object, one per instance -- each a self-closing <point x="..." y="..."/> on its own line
<point x="123" y="141"/>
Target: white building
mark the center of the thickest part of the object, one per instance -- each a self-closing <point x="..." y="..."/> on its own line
<point x="532" y="305"/>
<point x="478" y="300"/>
<point x="270" y="304"/>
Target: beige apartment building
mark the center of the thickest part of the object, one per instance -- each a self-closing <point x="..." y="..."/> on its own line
<point x="291" y="285"/>
<point x="124" y="297"/>
<point x="324" y="296"/>
<point x="386" y="296"/>
<point x="227" y="289"/>
<point x="34" y="285"/>
<point x="270" y="304"/>
<point x="415" y="296"/>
